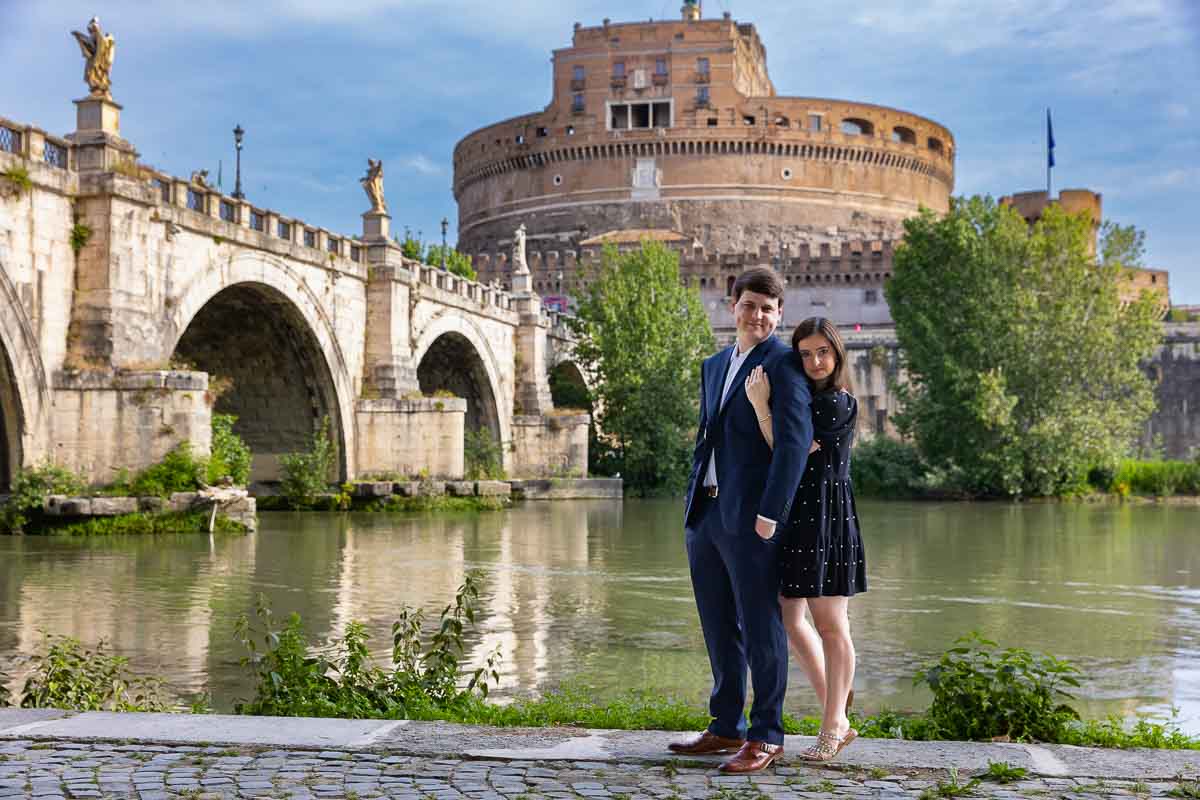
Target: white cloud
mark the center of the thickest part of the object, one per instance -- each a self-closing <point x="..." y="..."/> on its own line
<point x="424" y="165"/>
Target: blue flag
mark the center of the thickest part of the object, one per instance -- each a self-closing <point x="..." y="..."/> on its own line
<point x="1049" y="140"/>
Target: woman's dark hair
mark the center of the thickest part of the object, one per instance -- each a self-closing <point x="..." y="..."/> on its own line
<point x="840" y="377"/>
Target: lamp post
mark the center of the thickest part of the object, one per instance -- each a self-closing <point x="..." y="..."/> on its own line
<point x="445" y="224"/>
<point x="238" y="133"/>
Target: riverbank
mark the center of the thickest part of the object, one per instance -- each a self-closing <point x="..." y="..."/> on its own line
<point x="156" y="756"/>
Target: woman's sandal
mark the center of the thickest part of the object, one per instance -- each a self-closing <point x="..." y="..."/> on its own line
<point x="828" y="746"/>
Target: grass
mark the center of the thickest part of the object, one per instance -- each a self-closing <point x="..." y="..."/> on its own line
<point x="140" y="524"/>
<point x="1184" y="788"/>
<point x="1003" y="772"/>
<point x="950" y="788"/>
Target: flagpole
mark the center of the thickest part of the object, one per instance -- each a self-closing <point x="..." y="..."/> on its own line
<point x="1049" y="154"/>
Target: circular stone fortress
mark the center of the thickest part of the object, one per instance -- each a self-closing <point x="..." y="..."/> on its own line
<point x="672" y="130"/>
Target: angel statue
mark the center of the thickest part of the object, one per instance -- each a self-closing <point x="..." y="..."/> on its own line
<point x="520" y="265"/>
<point x="98" y="48"/>
<point x="372" y="183"/>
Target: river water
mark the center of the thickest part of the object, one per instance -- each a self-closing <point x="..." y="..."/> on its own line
<point x="597" y="593"/>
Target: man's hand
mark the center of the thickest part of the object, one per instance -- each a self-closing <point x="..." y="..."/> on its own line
<point x="765" y="528"/>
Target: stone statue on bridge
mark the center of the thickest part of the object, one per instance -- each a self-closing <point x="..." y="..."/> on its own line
<point x="372" y="183"/>
<point x="520" y="265"/>
<point x="99" y="49"/>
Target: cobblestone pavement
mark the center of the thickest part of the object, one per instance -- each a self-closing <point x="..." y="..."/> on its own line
<point x="154" y="772"/>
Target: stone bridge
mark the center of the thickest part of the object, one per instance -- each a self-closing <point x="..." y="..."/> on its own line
<point x="134" y="305"/>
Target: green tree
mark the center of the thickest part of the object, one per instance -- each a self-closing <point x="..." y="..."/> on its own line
<point x="456" y="262"/>
<point x="411" y="248"/>
<point x="1023" y="365"/>
<point x="642" y="335"/>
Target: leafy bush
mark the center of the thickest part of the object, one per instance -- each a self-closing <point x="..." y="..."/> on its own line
<point x="70" y="676"/>
<point x="30" y="489"/>
<point x="424" y="680"/>
<point x="889" y="468"/>
<point x="982" y="692"/>
<point x="306" y="474"/>
<point x="179" y="471"/>
<point x="483" y="456"/>
<point x="230" y="455"/>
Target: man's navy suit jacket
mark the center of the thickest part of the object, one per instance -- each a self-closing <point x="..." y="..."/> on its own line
<point x="752" y="478"/>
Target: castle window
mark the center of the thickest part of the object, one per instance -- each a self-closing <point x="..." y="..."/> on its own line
<point x="702" y="96"/>
<point x="571" y="129"/>
<point x="639" y="116"/>
<point x="618" y="69"/>
<point x="712" y="122"/>
<point x="748" y="120"/>
<point x="782" y="122"/>
<point x="729" y="286"/>
<point x="578" y="73"/>
<point x="577" y="103"/>
<point x="857" y="127"/>
<point x="935" y="144"/>
<point x="541" y="132"/>
<point x="903" y="135"/>
<point x="870" y="297"/>
<point x="520" y="138"/>
<point x="284" y="230"/>
<point x="814" y="123"/>
<point x="702" y="68"/>
<point x="660" y="66"/>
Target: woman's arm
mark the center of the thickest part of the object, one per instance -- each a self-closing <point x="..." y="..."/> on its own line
<point x="758" y="392"/>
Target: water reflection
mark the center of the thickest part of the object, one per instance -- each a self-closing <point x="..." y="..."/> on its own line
<point x="598" y="593"/>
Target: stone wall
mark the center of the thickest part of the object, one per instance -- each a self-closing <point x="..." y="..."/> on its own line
<point x="408" y="437"/>
<point x="550" y="445"/>
<point x="1176" y="421"/>
<point x="105" y="422"/>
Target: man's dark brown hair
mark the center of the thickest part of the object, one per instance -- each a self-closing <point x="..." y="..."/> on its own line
<point x="762" y="280"/>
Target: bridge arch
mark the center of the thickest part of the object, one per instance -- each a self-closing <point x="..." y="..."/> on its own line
<point x="24" y="393"/>
<point x="256" y="323"/>
<point x="452" y="353"/>
<point x="569" y="386"/>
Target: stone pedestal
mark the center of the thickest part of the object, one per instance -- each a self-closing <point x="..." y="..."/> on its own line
<point x="376" y="225"/>
<point x="97" y="137"/>
<point x="389" y="368"/>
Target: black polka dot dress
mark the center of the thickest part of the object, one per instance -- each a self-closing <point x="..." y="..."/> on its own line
<point x="821" y="553"/>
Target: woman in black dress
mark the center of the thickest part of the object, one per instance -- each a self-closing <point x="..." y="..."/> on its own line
<point x="822" y="564"/>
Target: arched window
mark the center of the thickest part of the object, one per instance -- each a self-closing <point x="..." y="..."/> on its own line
<point x="782" y="122"/>
<point x="935" y="145"/>
<point x="729" y="286"/>
<point x="904" y="135"/>
<point x="853" y="126"/>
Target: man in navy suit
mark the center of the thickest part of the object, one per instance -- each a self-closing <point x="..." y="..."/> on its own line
<point x="740" y="491"/>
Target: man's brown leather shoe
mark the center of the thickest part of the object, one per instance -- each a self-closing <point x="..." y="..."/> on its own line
<point x="753" y="756"/>
<point x="705" y="744"/>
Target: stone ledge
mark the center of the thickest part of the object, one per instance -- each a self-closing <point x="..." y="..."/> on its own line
<point x="130" y="380"/>
<point x="568" y="489"/>
<point x="407" y="405"/>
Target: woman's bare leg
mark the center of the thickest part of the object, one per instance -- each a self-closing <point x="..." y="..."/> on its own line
<point x="833" y="625"/>
<point x="805" y="644"/>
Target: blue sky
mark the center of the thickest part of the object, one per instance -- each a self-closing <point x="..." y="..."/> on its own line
<point x="319" y="86"/>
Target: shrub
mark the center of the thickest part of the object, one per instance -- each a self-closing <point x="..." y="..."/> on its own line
<point x="424" y="681"/>
<point x="306" y="474"/>
<point x="483" y="456"/>
<point x="30" y="489"/>
<point x="982" y="692"/>
<point x="179" y="471"/>
<point x="889" y="468"/>
<point x="230" y="455"/>
<point x="18" y="179"/>
<point x="70" y="676"/>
